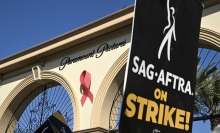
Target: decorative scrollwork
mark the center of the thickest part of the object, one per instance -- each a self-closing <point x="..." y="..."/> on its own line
<point x="42" y="103"/>
<point x="38" y="114"/>
<point x="115" y="110"/>
<point x="207" y="92"/>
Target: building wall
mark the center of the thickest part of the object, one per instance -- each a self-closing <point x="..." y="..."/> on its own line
<point x="211" y="18"/>
<point x="106" y="71"/>
<point x="97" y="65"/>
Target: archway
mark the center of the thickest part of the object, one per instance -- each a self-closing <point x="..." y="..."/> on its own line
<point x="25" y="92"/>
<point x="209" y="42"/>
<point x="107" y="91"/>
<point x="208" y="78"/>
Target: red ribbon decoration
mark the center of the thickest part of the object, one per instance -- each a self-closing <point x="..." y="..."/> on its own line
<point x="85" y="79"/>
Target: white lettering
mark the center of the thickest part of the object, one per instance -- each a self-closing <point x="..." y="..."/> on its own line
<point x="150" y="74"/>
<point x="142" y="69"/>
<point x="161" y="77"/>
<point x="188" y="88"/>
<point x="174" y="81"/>
<point x="181" y="84"/>
<point x="168" y="78"/>
<point x="165" y="78"/>
<point x="135" y="70"/>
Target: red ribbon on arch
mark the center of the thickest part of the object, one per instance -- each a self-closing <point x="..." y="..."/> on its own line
<point x="85" y="80"/>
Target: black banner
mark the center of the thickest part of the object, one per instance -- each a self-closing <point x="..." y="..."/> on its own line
<point x="54" y="124"/>
<point x="161" y="72"/>
<point x="46" y="127"/>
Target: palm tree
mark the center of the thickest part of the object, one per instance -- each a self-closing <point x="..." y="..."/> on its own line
<point x="207" y="94"/>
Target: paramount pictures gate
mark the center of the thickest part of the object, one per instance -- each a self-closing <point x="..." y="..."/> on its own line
<point x="208" y="61"/>
<point x="35" y="73"/>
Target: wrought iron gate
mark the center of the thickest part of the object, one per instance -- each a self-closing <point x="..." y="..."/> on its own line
<point x="208" y="61"/>
<point x="115" y="109"/>
<point x="38" y="106"/>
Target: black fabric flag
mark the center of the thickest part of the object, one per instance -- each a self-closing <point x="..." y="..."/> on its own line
<point x="54" y="124"/>
<point x="161" y="71"/>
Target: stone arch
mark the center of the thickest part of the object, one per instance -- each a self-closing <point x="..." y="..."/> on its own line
<point x="107" y="91"/>
<point x="25" y="87"/>
<point x="209" y="38"/>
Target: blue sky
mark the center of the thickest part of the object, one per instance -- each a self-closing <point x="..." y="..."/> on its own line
<point x="26" y="23"/>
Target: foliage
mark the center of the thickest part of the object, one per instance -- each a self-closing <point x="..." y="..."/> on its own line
<point x="207" y="93"/>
